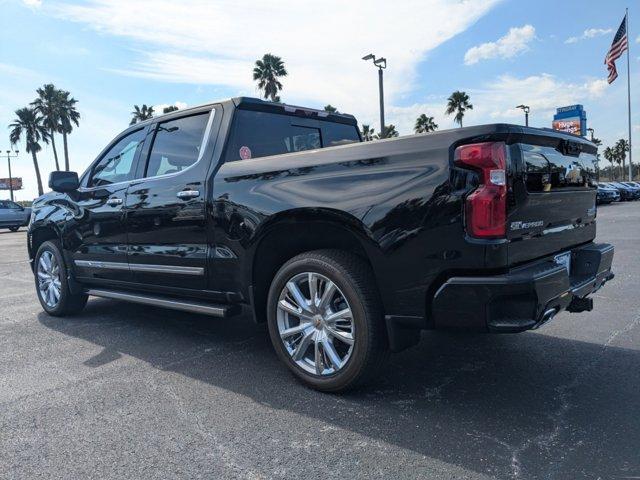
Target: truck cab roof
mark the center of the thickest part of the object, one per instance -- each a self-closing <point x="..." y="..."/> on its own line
<point x="257" y="104"/>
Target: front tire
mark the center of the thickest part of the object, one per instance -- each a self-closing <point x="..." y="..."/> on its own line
<point x="52" y="285"/>
<point x="14" y="229"/>
<point x="325" y="320"/>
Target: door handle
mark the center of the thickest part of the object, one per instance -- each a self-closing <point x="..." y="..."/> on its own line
<point x="187" y="194"/>
<point x="112" y="202"/>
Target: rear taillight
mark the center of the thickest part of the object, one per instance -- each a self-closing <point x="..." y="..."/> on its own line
<point x="486" y="207"/>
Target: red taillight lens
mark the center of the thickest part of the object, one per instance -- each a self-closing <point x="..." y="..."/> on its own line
<point x="486" y="207"/>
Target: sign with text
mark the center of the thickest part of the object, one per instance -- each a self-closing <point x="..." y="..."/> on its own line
<point x="571" y="119"/>
<point x="16" y="183"/>
<point x="569" y="125"/>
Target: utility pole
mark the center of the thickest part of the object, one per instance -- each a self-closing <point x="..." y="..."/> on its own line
<point x="525" y="109"/>
<point x="9" y="157"/>
<point x="381" y="63"/>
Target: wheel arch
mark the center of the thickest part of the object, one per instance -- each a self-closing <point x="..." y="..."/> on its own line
<point x="315" y="229"/>
<point x="40" y="234"/>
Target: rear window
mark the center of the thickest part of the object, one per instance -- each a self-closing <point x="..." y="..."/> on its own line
<point x="261" y="134"/>
<point x="546" y="169"/>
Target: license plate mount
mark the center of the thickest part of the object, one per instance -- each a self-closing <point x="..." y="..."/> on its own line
<point x="564" y="260"/>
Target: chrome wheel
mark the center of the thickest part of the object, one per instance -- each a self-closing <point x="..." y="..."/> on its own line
<point x="315" y="323"/>
<point x="49" y="284"/>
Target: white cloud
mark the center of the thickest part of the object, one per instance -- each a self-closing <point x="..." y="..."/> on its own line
<point x="496" y="101"/>
<point x="512" y="44"/>
<point x="158" y="108"/>
<point x="597" y="87"/>
<point x="543" y="93"/>
<point x="14" y="70"/>
<point x="32" y="3"/>
<point x="589" y="33"/>
<point x="216" y="43"/>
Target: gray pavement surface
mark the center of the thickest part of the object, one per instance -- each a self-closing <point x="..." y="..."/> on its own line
<point x="125" y="391"/>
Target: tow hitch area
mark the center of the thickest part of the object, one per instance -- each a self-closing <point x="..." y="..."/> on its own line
<point x="578" y="305"/>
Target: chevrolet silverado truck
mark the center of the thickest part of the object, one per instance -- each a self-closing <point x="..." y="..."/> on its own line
<point x="346" y="249"/>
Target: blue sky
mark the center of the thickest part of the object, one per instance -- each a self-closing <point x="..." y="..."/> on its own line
<point x="114" y="54"/>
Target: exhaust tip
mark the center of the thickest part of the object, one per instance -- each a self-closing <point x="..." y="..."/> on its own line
<point x="546" y="316"/>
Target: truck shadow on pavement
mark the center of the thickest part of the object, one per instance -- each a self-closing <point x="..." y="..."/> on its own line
<point x="503" y="405"/>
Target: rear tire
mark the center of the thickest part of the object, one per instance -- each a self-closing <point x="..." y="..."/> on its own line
<point x="333" y="339"/>
<point x="52" y="284"/>
<point x="14" y="229"/>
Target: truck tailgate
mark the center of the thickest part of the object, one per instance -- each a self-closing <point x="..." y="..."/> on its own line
<point x="552" y="198"/>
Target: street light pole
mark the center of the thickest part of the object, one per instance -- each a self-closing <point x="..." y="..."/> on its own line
<point x="525" y="108"/>
<point x="597" y="160"/>
<point x="381" y="63"/>
<point x="381" y="88"/>
<point x="9" y="157"/>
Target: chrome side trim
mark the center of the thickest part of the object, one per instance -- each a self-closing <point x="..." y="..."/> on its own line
<point x="140" y="267"/>
<point x="207" y="134"/>
<point x="185" y="306"/>
<point x="100" y="264"/>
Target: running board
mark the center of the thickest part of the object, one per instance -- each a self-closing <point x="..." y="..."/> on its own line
<point x="156" y="301"/>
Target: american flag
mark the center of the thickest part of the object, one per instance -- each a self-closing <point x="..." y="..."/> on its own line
<point x="618" y="46"/>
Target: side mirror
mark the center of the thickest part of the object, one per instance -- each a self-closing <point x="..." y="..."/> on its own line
<point x="63" y="182"/>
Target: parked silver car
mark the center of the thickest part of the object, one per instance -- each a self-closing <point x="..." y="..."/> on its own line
<point x="13" y="216"/>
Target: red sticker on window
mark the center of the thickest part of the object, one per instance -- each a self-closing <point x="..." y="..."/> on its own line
<point x="245" y="153"/>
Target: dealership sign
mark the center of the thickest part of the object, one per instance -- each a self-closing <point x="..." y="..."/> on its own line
<point x="16" y="183"/>
<point x="571" y="119"/>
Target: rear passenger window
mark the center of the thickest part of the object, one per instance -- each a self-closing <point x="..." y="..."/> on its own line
<point x="177" y="145"/>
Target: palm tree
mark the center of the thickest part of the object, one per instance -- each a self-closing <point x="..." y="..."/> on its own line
<point x="169" y="109"/>
<point x="266" y="72"/>
<point x="425" y="124"/>
<point x="330" y="108"/>
<point x="596" y="161"/>
<point x="611" y="156"/>
<point x="621" y="148"/>
<point x="458" y="102"/>
<point x="367" y="133"/>
<point x="388" y="132"/>
<point x="47" y="105"/>
<point x="141" y="114"/>
<point x="29" y="123"/>
<point x="69" y="117"/>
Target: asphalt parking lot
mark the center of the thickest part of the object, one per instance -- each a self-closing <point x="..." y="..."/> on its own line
<point x="126" y="391"/>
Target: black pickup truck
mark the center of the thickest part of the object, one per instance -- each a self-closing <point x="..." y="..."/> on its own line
<point x="346" y="249"/>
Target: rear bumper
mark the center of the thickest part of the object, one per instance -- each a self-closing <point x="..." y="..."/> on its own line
<point x="525" y="297"/>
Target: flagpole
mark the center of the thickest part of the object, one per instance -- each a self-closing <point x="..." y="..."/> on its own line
<point x="629" y="93"/>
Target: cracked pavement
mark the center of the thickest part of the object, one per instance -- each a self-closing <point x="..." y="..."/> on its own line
<point x="128" y="391"/>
